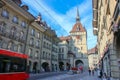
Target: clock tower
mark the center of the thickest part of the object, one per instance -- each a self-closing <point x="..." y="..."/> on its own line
<point x="79" y="36"/>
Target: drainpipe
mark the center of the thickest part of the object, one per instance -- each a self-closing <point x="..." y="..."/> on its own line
<point x="27" y="35"/>
<point x="41" y="52"/>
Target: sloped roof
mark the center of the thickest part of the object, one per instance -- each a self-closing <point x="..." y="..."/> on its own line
<point x="78" y="28"/>
<point x="65" y="38"/>
<point x="93" y="50"/>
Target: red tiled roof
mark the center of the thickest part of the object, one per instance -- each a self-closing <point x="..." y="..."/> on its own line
<point x="65" y="38"/>
<point x="78" y="28"/>
<point x="91" y="51"/>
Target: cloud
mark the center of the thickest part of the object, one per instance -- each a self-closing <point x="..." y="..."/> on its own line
<point x="63" y="23"/>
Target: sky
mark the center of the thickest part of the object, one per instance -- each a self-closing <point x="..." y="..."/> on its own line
<point x="60" y="15"/>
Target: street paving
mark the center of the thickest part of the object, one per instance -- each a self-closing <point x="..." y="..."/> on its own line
<point x="82" y="76"/>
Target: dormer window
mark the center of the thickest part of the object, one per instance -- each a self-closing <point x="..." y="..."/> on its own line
<point x="15" y="19"/>
<point x="5" y="14"/>
<point x="23" y="24"/>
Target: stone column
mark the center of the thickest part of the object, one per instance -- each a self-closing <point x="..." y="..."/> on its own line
<point x="113" y="62"/>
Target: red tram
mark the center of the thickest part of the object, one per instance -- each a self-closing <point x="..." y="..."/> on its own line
<point x="13" y="65"/>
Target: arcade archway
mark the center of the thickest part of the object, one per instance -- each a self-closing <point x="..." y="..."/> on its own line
<point x="35" y="64"/>
<point x="61" y="66"/>
<point x="68" y="66"/>
<point x="79" y="63"/>
<point x="45" y="66"/>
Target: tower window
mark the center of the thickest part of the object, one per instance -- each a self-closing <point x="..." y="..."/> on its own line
<point x="78" y="28"/>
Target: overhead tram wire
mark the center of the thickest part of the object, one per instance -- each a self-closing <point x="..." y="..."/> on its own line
<point x="51" y="17"/>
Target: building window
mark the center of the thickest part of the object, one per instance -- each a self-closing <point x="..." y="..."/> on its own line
<point x="23" y="24"/>
<point x="63" y="50"/>
<point x="1" y="43"/>
<point x="21" y="34"/>
<point x="30" y="52"/>
<point x="81" y="48"/>
<point x="43" y="54"/>
<point x="33" y="32"/>
<point x="31" y="41"/>
<point x="13" y="30"/>
<point x="15" y="19"/>
<point x="10" y="46"/>
<point x="19" y="48"/>
<point x="38" y="35"/>
<point x="47" y="45"/>
<point x="2" y="26"/>
<point x="36" y="54"/>
<point x="5" y="14"/>
<point x="37" y="43"/>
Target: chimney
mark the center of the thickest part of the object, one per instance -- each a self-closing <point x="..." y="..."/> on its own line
<point x="18" y="2"/>
<point x="25" y="7"/>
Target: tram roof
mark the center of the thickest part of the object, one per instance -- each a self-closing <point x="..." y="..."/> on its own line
<point x="13" y="54"/>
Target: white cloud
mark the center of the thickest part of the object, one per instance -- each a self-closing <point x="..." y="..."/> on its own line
<point x="67" y="20"/>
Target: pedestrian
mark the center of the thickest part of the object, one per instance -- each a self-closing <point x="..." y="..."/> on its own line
<point x="81" y="69"/>
<point x="101" y="74"/>
<point x="89" y="70"/>
<point x="104" y="76"/>
<point x="93" y="72"/>
<point x="98" y="73"/>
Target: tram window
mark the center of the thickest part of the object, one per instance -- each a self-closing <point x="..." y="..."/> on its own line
<point x="4" y="66"/>
<point x="12" y="65"/>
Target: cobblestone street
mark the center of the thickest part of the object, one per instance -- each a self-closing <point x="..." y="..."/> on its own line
<point x="81" y="76"/>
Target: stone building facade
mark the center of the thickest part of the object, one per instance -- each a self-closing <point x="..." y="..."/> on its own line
<point x="21" y="32"/>
<point x="105" y="23"/>
<point x="79" y="36"/>
<point x="76" y="44"/>
<point x="93" y="58"/>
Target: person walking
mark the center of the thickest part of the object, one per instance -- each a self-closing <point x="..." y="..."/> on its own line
<point x="104" y="77"/>
<point x="98" y="73"/>
<point x="93" y="72"/>
<point x="89" y="70"/>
